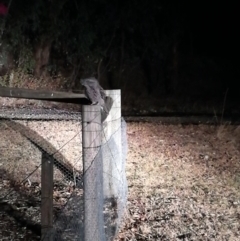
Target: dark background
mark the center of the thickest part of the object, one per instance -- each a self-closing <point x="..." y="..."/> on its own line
<point x="166" y="56"/>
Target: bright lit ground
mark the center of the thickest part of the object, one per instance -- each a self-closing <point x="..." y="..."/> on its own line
<point x="184" y="182"/>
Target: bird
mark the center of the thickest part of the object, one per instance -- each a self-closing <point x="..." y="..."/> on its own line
<point x="97" y="95"/>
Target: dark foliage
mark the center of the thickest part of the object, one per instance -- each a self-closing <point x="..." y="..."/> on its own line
<point x="112" y="39"/>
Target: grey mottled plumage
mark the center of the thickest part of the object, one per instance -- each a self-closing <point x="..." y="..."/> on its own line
<point x="95" y="93"/>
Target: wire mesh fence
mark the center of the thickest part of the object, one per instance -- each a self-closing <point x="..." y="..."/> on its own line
<point x="30" y="138"/>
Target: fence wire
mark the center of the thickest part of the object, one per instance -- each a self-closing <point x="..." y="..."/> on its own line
<point x="28" y="134"/>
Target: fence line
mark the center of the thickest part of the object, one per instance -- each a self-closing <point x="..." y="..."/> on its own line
<point x="106" y="182"/>
<point x="92" y="211"/>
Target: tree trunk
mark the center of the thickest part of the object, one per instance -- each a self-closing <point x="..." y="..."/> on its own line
<point x="43" y="47"/>
<point x="41" y="55"/>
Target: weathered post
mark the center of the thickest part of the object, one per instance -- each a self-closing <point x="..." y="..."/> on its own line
<point x="47" y="198"/>
<point x="92" y="171"/>
<point x="112" y="159"/>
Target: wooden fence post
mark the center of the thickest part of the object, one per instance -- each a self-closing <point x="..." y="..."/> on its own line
<point x="47" y="198"/>
<point x="91" y="142"/>
<point x="112" y="165"/>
